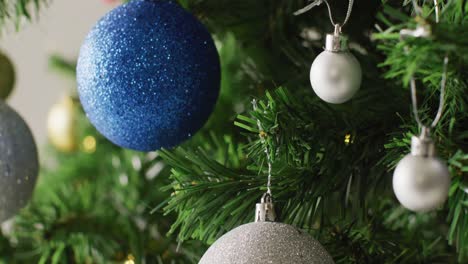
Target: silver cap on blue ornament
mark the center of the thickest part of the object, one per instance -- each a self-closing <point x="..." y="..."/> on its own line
<point x="265" y="210"/>
<point x="423" y="145"/>
<point x="336" y="42"/>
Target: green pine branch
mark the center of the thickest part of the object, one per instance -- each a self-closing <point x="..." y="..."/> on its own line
<point x="95" y="207"/>
<point x="333" y="164"/>
<point x="62" y="65"/>
<point x="212" y="196"/>
<point x="17" y="11"/>
<point x="422" y="58"/>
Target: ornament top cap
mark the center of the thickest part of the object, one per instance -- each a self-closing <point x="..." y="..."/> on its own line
<point x="423" y="145"/>
<point x="336" y="42"/>
<point x="265" y="210"/>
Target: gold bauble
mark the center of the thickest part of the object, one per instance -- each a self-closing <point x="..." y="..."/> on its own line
<point x="61" y="125"/>
<point x="7" y="76"/>
<point x="89" y="144"/>
<point x="130" y="259"/>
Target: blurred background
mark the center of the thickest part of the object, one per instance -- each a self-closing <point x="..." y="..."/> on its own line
<point x="60" y="29"/>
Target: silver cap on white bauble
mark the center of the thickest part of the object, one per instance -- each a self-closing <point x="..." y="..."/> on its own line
<point x="423" y="145"/>
<point x="336" y="42"/>
<point x="265" y="210"/>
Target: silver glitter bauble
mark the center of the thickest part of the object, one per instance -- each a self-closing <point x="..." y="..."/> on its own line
<point x="18" y="162"/>
<point x="335" y="74"/>
<point x="421" y="181"/>
<point x="266" y="242"/>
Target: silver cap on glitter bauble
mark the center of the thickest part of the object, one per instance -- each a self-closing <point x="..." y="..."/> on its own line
<point x="265" y="210"/>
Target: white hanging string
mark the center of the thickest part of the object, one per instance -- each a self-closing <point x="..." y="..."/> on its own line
<point x="443" y="82"/>
<point x="440" y="110"/>
<point x="418" y="9"/>
<point x="436" y="8"/>
<point x="330" y="15"/>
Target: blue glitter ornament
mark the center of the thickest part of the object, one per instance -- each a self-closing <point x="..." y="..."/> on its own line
<point x="148" y="75"/>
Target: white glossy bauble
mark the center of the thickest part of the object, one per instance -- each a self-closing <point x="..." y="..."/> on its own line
<point x="421" y="183"/>
<point x="335" y="76"/>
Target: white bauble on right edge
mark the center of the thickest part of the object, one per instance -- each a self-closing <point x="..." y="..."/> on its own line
<point x="335" y="74"/>
<point x="421" y="181"/>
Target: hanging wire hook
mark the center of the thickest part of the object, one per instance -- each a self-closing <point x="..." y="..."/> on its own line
<point x="330" y="15"/>
<point x="267" y="151"/>
<point x="443" y="82"/>
<point x="436" y="10"/>
<point x="440" y="110"/>
<point x="418" y="9"/>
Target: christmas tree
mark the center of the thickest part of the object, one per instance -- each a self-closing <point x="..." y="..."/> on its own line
<point x="331" y="165"/>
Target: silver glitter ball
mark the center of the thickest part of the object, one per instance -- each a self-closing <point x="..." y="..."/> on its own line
<point x="19" y="164"/>
<point x="266" y="242"/>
